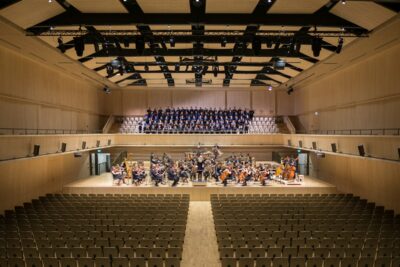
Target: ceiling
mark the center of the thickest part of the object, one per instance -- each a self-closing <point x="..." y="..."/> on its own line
<point x="239" y="41"/>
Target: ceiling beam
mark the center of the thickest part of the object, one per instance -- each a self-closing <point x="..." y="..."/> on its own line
<point x="64" y="19"/>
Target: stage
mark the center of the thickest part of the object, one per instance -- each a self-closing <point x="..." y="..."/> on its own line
<point x="103" y="184"/>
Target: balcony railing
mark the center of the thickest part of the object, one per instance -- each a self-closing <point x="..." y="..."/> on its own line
<point x="30" y="131"/>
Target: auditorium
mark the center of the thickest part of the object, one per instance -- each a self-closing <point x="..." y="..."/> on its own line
<point x="199" y="133"/>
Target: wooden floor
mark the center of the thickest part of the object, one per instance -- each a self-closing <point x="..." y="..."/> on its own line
<point x="200" y="248"/>
<point x="103" y="184"/>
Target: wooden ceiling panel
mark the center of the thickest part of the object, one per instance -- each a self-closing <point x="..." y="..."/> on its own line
<point x="53" y="40"/>
<point x="98" y="6"/>
<point x="256" y="59"/>
<point x="28" y="13"/>
<point x="155" y="82"/>
<point x="115" y="27"/>
<point x="300" y="63"/>
<point x="170" y="27"/>
<point x="224" y="27"/>
<point x="218" y="46"/>
<point x="296" y="6"/>
<point x="220" y="76"/>
<point x="279" y="28"/>
<point x="277" y="77"/>
<point x="363" y="13"/>
<point x="249" y="68"/>
<point x="162" y="6"/>
<point x="118" y="77"/>
<point x="242" y="76"/>
<point x="154" y="76"/>
<point x="182" y="76"/>
<point x="89" y="49"/>
<point x="231" y="6"/>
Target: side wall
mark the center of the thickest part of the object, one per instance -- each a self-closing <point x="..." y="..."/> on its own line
<point x="363" y="96"/>
<point x="375" y="180"/>
<point x="23" y="180"/>
<point x="135" y="102"/>
<point x="36" y="96"/>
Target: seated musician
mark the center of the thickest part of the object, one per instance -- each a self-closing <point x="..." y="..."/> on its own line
<point x="183" y="173"/>
<point x="117" y="174"/>
<point x="138" y="174"/>
<point x="173" y="175"/>
<point x="157" y="173"/>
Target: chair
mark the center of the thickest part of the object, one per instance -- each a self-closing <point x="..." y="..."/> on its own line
<point x="143" y="253"/>
<point x="155" y="262"/>
<point x="78" y="253"/>
<point x="171" y="262"/>
<point x="110" y="252"/>
<point x="242" y="253"/>
<point x="280" y="262"/>
<point x="46" y="253"/>
<point x="274" y="252"/>
<point x="297" y="262"/>
<point x="67" y="262"/>
<point x="226" y="252"/>
<point x="263" y="262"/>
<point x="137" y="262"/>
<point x="289" y="252"/>
<point x="34" y="262"/>
<point x="383" y="262"/>
<point x="314" y="262"/>
<point x="353" y="253"/>
<point x="63" y="253"/>
<point x="366" y="262"/>
<point x="321" y="252"/>
<point x="94" y="252"/>
<point x="85" y="262"/>
<point x="246" y="262"/>
<point x="126" y="253"/>
<point x="158" y="253"/>
<point x="332" y="262"/>
<point x="14" y="253"/>
<point x="348" y="262"/>
<point x="305" y="253"/>
<point x="102" y="262"/>
<point x="174" y="253"/>
<point x="120" y="262"/>
<point x="16" y="262"/>
<point x="228" y="262"/>
<point x="50" y="262"/>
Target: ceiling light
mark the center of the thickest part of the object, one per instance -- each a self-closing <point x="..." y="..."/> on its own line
<point x="50" y="1"/>
<point x="343" y="2"/>
<point x="121" y="70"/>
<point x="172" y="41"/>
<point x="270" y="88"/>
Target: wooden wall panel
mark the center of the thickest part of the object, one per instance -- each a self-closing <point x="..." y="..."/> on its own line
<point x="159" y="99"/>
<point x="205" y="99"/>
<point x="35" y="95"/>
<point x="363" y="96"/>
<point x="134" y="102"/>
<point x="238" y="99"/>
<point x="284" y="103"/>
<point x="263" y="102"/>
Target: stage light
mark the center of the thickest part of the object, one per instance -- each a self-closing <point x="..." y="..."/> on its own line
<point x="126" y="42"/>
<point x="340" y="45"/>
<point x="79" y="45"/>
<point x="106" y="90"/>
<point x="215" y="70"/>
<point x="146" y="67"/>
<point x="61" y="45"/>
<point x="110" y="69"/>
<point x="177" y="67"/>
<point x="50" y="1"/>
<point x="270" y="88"/>
<point x="316" y="46"/>
<point x="279" y="64"/>
<point x="269" y="43"/>
<point x="172" y="41"/>
<point x="96" y="46"/>
<point x="121" y="70"/>
<point x="139" y="45"/>
<point x="343" y="2"/>
<point x="223" y="41"/>
<point x="205" y="69"/>
<point x="256" y="44"/>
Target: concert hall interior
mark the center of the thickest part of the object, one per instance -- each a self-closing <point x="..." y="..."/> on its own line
<point x="199" y="133"/>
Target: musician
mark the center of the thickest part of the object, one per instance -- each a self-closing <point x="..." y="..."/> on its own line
<point x="183" y="173"/>
<point x="157" y="173"/>
<point x="138" y="174"/>
<point x="200" y="167"/>
<point x="117" y="174"/>
<point x="173" y="175"/>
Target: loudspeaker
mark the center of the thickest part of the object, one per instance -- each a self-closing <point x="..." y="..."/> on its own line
<point x="77" y="155"/>
<point x="334" y="148"/>
<point x="314" y="145"/>
<point x="289" y="142"/>
<point x="36" y="149"/>
<point x="320" y="155"/>
<point x="300" y="143"/>
<point x="361" y="150"/>
<point x="98" y="143"/>
<point x="63" y="147"/>
<point x="83" y="144"/>
<point x="109" y="142"/>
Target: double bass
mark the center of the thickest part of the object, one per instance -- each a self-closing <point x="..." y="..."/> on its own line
<point x="225" y="174"/>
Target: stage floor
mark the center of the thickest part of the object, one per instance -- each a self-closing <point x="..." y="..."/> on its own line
<point x="103" y="184"/>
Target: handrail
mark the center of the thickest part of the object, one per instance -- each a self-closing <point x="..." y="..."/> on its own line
<point x="120" y="158"/>
<point x="289" y="124"/>
<point x="382" y="131"/>
<point x="109" y="123"/>
<point x="32" y="131"/>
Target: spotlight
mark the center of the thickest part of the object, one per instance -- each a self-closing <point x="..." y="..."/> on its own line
<point x="298" y="47"/>
<point x="290" y="90"/>
<point x="215" y="70"/>
<point x="106" y="90"/>
<point x="340" y="45"/>
<point x="61" y="45"/>
<point x="197" y="3"/>
<point x="110" y="69"/>
<point x="139" y="45"/>
<point x="50" y="1"/>
<point x="223" y="41"/>
<point x="256" y="44"/>
<point x="126" y="42"/>
<point x="121" y="70"/>
<point x="316" y="46"/>
<point x="205" y="69"/>
<point x="172" y="41"/>
<point x="117" y="44"/>
<point x="79" y="45"/>
<point x="269" y="1"/>
<point x="343" y="2"/>
<point x="270" y="88"/>
<point x="279" y="64"/>
<point x="163" y="45"/>
<point x="269" y="43"/>
<point x="96" y="46"/>
<point x="146" y="67"/>
<point x="177" y="67"/>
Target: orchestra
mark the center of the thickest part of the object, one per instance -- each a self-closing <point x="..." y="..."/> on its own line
<point x="206" y="166"/>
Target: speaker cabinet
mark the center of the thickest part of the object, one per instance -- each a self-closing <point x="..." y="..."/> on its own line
<point x="334" y="148"/>
<point x="98" y="143"/>
<point x="83" y="144"/>
<point x="314" y="145"/>
<point x="300" y="143"/>
<point x="361" y="150"/>
<point x="63" y="147"/>
<point x="36" y="150"/>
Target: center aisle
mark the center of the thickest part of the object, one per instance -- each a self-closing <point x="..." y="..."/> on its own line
<point x="200" y="248"/>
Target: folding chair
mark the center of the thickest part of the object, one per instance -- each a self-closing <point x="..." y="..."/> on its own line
<point x="263" y="262"/>
<point x="16" y="262"/>
<point x="102" y="262"/>
<point x="120" y="262"/>
<point x="314" y="262"/>
<point x="85" y="262"/>
<point x="228" y="262"/>
<point x="348" y="262"/>
<point x="67" y="262"/>
<point x="138" y="262"/>
<point x="280" y="262"/>
<point x="50" y="262"/>
<point x="172" y="262"/>
<point x="297" y="262"/>
<point x="34" y="262"/>
<point x="155" y="262"/>
<point x="246" y="262"/>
